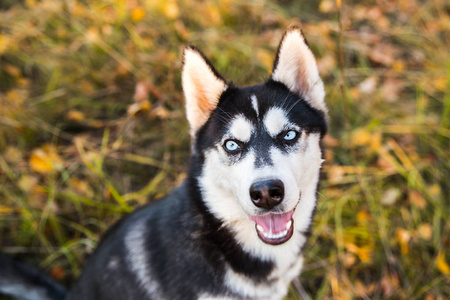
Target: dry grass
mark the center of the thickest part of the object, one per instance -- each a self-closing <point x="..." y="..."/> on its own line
<point x="92" y="125"/>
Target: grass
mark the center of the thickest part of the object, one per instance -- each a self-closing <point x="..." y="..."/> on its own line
<point x="92" y="125"/>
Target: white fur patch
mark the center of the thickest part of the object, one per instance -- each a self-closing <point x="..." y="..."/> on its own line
<point x="202" y="88"/>
<point x="277" y="289"/>
<point x="241" y="129"/>
<point x="275" y="121"/>
<point x="255" y="104"/>
<point x="137" y="259"/>
<point x="23" y="291"/>
<point x="297" y="69"/>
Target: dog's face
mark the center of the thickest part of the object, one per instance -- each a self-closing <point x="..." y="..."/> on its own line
<point x="260" y="145"/>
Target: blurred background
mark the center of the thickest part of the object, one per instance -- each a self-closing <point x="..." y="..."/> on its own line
<point x="92" y="125"/>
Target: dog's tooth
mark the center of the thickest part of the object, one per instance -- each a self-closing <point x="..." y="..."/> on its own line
<point x="260" y="228"/>
<point x="288" y="224"/>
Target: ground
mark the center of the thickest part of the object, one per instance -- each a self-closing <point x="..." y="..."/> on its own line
<point x="92" y="125"/>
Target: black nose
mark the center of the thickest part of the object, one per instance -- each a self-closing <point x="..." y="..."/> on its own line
<point x="267" y="194"/>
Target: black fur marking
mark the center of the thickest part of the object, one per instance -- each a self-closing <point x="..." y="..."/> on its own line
<point x="262" y="142"/>
<point x="236" y="101"/>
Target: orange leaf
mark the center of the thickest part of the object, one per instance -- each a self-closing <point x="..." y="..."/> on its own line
<point x="57" y="273"/>
<point x="415" y="198"/>
<point x="45" y="159"/>
<point x="137" y="14"/>
<point x="5" y="210"/>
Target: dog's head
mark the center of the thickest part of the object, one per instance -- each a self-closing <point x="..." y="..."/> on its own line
<point x="259" y="146"/>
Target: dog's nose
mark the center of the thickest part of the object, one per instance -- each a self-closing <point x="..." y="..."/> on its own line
<point x="267" y="194"/>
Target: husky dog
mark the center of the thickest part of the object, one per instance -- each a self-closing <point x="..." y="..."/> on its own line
<point x="236" y="227"/>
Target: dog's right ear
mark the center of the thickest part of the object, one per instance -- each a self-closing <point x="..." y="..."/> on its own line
<point x="202" y="87"/>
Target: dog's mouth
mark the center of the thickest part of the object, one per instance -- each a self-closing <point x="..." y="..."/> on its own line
<point x="274" y="229"/>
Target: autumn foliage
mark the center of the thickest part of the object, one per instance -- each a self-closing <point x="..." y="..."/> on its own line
<point x="92" y="125"/>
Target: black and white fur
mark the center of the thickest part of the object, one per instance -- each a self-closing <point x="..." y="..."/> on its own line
<point x="211" y="239"/>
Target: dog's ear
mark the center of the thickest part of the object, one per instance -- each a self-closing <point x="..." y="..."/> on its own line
<point x="295" y="67"/>
<point x="202" y="87"/>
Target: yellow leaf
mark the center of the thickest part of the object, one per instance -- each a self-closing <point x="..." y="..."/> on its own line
<point x="171" y="10"/>
<point x="44" y="160"/>
<point x="214" y="14"/>
<point x="403" y="238"/>
<point x="399" y="65"/>
<point x="5" y="42"/>
<point x="92" y="35"/>
<point x="441" y="264"/>
<point x="361" y="137"/>
<point x="362" y="217"/>
<point x="82" y="187"/>
<point x="30" y="3"/>
<point x="26" y="183"/>
<point x="375" y="141"/>
<point x="425" y="231"/>
<point x="75" y="115"/>
<point x="5" y="210"/>
<point x="40" y="162"/>
<point x="137" y="14"/>
<point x="440" y="83"/>
<point x="326" y="6"/>
<point x="435" y="190"/>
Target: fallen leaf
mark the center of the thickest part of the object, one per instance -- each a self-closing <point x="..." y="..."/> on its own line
<point x="137" y="14"/>
<point x="134" y="108"/>
<point x="330" y="141"/>
<point x="383" y="54"/>
<point x="26" y="183"/>
<point x="327" y="6"/>
<point x="82" y="187"/>
<point x="363" y="217"/>
<point x="389" y="283"/>
<point x="390" y="196"/>
<point x="335" y="174"/>
<point x="171" y="10"/>
<point x="74" y="115"/>
<point x="391" y="89"/>
<point x="416" y="199"/>
<point x="5" y="210"/>
<point x="425" y="231"/>
<point x="140" y="91"/>
<point x="45" y="160"/>
<point x="441" y="264"/>
<point x="403" y="237"/>
<point x="368" y="85"/>
<point x="360" y="137"/>
<point x="57" y="273"/>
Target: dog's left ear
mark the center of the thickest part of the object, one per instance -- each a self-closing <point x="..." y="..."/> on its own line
<point x="295" y="67"/>
<point x="202" y="87"/>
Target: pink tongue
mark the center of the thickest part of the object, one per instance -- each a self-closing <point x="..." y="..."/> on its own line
<point x="274" y="223"/>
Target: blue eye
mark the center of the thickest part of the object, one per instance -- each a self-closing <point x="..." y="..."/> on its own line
<point x="231" y="146"/>
<point x="290" y="135"/>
